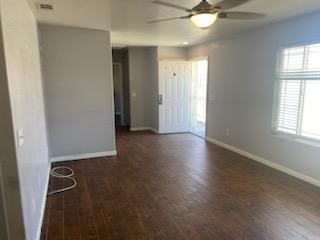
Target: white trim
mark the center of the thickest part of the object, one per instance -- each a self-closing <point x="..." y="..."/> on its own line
<point x="154" y="130"/>
<point x="268" y="163"/>
<point x="298" y="44"/>
<point x="198" y="135"/>
<point x="296" y="138"/>
<point x="84" y="156"/>
<point x="206" y="57"/>
<point x="43" y="205"/>
<point x="144" y="129"/>
<point x="112" y="97"/>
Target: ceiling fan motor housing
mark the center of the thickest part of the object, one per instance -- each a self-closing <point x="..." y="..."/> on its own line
<point x="204" y="7"/>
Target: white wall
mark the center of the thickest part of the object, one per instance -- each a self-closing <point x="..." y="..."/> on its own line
<point x="23" y="108"/>
<point x="78" y="89"/>
<point x="241" y="76"/>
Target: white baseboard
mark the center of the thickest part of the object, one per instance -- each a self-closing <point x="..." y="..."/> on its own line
<point x="144" y="129"/>
<point x="61" y="159"/>
<point x="268" y="163"/>
<point x="43" y="204"/>
<point x="154" y="130"/>
<point x="84" y="156"/>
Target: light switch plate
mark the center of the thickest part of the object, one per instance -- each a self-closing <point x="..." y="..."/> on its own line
<point x="228" y="131"/>
<point x="20" y="138"/>
<point x="134" y="94"/>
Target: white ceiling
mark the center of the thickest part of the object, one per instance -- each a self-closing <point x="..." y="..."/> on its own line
<point x="92" y="14"/>
<point x="128" y="19"/>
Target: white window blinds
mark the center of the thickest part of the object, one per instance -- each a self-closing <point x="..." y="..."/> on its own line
<point x="297" y="92"/>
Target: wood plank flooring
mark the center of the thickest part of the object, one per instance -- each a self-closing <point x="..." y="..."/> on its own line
<point x="180" y="187"/>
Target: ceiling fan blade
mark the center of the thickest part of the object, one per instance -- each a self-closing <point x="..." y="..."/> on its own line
<point x="227" y="4"/>
<point x="168" y="19"/>
<point x="171" y="5"/>
<point x="241" y="15"/>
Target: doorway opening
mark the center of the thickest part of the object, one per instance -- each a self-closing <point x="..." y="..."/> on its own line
<point x="118" y="94"/>
<point x="121" y="89"/>
<point x="198" y="93"/>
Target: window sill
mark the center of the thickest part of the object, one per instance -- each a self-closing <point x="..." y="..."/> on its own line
<point x="297" y="139"/>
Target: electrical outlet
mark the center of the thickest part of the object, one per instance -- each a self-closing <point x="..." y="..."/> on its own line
<point x="228" y="131"/>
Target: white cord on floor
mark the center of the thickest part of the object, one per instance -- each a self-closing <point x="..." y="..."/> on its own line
<point x="56" y="174"/>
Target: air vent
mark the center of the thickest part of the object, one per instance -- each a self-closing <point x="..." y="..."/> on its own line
<point x="45" y="6"/>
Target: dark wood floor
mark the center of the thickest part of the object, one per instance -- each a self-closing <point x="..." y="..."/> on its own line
<point x="180" y="187"/>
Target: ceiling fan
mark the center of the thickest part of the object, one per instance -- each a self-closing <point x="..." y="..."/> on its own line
<point x="205" y="14"/>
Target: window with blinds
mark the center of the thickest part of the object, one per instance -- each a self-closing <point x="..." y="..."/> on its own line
<point x="297" y="92"/>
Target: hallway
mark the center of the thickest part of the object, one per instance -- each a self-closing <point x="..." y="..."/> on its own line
<point x="180" y="187"/>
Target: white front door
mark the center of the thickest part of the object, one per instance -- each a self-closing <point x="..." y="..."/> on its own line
<point x="174" y="82"/>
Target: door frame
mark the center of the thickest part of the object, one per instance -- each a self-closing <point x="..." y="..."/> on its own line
<point x="119" y="64"/>
<point x="207" y="92"/>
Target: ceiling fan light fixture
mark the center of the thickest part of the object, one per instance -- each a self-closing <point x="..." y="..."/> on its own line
<point x="204" y="20"/>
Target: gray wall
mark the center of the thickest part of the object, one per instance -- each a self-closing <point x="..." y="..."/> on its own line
<point x="121" y="56"/>
<point x="174" y="53"/>
<point x="144" y="81"/>
<point x="141" y="83"/>
<point x="22" y="107"/>
<point x="78" y="90"/>
<point x="7" y="158"/>
<point x="241" y="76"/>
<point x="3" y="216"/>
<point x="154" y="75"/>
<point x="7" y="154"/>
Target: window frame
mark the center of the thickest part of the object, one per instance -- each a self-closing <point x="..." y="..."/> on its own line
<point x="276" y="92"/>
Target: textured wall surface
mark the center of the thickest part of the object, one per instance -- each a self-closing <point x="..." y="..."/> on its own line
<point x="78" y="90"/>
<point x="174" y="53"/>
<point x="142" y="61"/>
<point x="24" y="82"/>
<point x="241" y="77"/>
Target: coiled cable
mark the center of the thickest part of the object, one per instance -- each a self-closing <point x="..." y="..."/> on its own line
<point x="54" y="173"/>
